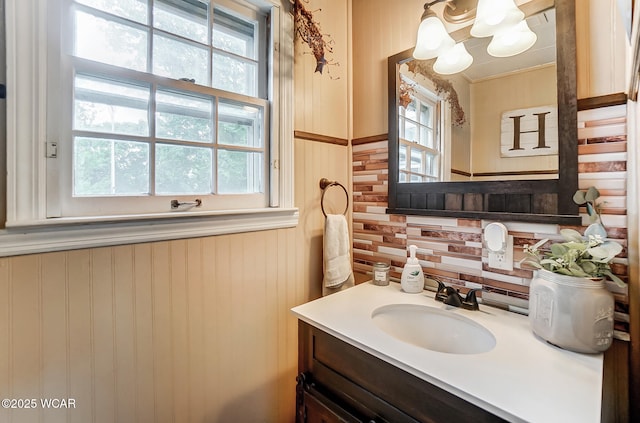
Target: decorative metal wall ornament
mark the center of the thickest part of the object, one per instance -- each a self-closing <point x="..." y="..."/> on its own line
<point x="308" y="30"/>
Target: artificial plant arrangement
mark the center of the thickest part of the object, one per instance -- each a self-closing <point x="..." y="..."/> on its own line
<point x="405" y="90"/>
<point x="587" y="255"/>
<point x="443" y="87"/>
<point x="588" y="199"/>
<point x="308" y="30"/>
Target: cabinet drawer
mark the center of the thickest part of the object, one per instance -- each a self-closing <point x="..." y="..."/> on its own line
<point x="320" y="409"/>
<point x="372" y="380"/>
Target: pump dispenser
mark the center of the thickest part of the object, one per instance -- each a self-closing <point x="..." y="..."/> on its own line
<point x="412" y="280"/>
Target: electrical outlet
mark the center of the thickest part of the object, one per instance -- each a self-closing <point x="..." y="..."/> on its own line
<point x="503" y="260"/>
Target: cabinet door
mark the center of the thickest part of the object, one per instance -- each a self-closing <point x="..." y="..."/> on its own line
<point x="320" y="409"/>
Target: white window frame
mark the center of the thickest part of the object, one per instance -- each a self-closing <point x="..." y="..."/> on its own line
<point x="427" y="98"/>
<point x="28" y="230"/>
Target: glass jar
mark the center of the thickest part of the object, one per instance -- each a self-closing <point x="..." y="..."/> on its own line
<point x="571" y="312"/>
<point x="381" y="274"/>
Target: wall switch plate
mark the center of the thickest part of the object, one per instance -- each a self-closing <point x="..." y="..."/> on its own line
<point x="504" y="259"/>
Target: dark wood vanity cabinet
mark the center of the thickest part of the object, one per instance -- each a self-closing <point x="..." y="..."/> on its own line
<point x="338" y="382"/>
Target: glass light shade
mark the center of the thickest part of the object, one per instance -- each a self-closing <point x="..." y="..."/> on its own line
<point x="493" y="15"/>
<point x="432" y="40"/>
<point x="512" y="41"/>
<point x="453" y="60"/>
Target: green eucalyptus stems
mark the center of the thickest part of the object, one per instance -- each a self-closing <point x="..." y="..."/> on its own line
<point x="587" y="255"/>
<point x="588" y="198"/>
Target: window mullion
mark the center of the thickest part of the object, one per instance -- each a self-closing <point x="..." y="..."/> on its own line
<point x="215" y="144"/>
<point x="210" y="43"/>
<point x="150" y="38"/>
<point x="152" y="139"/>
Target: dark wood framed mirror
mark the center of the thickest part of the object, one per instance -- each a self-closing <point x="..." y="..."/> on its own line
<point x="547" y="200"/>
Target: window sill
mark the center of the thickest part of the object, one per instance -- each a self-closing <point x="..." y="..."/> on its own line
<point x="70" y="234"/>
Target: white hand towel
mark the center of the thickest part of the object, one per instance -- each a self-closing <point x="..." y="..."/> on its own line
<point x="337" y="259"/>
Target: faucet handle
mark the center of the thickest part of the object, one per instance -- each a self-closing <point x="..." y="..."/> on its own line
<point x="452" y="297"/>
<point x="470" y="301"/>
<point x="441" y="292"/>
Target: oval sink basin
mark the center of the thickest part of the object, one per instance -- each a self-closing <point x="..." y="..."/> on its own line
<point x="433" y="329"/>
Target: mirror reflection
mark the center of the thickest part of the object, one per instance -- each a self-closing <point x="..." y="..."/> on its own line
<point x="496" y="120"/>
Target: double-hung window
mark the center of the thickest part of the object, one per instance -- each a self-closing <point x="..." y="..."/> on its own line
<point x="167" y="102"/>
<point x="420" y="147"/>
<point x="141" y="109"/>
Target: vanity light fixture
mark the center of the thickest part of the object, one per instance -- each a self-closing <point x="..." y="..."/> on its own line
<point x="511" y="41"/>
<point x="453" y="60"/>
<point x="493" y="16"/>
<point x="500" y="19"/>
<point x="433" y="38"/>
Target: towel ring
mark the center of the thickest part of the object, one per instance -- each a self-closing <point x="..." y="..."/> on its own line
<point x="324" y="185"/>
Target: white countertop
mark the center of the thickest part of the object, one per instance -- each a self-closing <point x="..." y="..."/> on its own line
<point x="522" y="379"/>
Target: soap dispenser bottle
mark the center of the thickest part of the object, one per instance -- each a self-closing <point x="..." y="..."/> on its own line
<point x="412" y="280"/>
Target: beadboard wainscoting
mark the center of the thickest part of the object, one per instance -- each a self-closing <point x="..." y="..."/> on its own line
<point x="450" y="249"/>
<point x="195" y="330"/>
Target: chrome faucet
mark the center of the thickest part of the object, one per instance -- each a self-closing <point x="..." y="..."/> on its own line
<point x="451" y="296"/>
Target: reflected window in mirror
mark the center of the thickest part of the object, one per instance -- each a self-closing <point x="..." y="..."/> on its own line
<point x="420" y="154"/>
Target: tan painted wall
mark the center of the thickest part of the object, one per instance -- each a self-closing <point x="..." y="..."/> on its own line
<point x="491" y="98"/>
<point x="380" y="29"/>
<point x="601" y="48"/>
<point x="181" y="331"/>
<point x="322" y="100"/>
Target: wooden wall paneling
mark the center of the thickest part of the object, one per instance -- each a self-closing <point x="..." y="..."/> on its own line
<point x="163" y="387"/>
<point x="224" y="327"/>
<point x="103" y="326"/>
<point x="179" y="330"/>
<point x="595" y="18"/>
<point x="125" y="339"/>
<point x="269" y="353"/>
<point x="5" y="332"/>
<point x="195" y="334"/>
<point x="80" y="346"/>
<point x="213" y="299"/>
<point x="633" y="198"/>
<point x="54" y="331"/>
<point x="186" y="330"/>
<point x="237" y="356"/>
<point x="379" y="31"/>
<point x="323" y="109"/>
<point x="255" y="319"/>
<point x="318" y="160"/>
<point x="25" y="335"/>
<point x="289" y="259"/>
<point x="143" y="326"/>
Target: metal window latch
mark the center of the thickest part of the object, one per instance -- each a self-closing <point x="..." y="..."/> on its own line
<point x="52" y="150"/>
<point x="175" y="204"/>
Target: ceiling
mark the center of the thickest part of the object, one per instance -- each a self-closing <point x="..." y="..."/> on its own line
<point x="543" y="51"/>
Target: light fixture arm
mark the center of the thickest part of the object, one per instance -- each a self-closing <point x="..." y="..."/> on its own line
<point x="460" y="11"/>
<point x="427" y="8"/>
